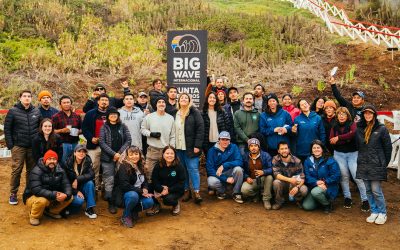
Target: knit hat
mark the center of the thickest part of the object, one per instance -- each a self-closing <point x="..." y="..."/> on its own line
<point x="80" y="147"/>
<point x="160" y="98"/>
<point x="221" y="91"/>
<point x="272" y="96"/>
<point x="44" y="93"/>
<point x="360" y="93"/>
<point x="253" y="141"/>
<point x="224" y="135"/>
<point x="99" y="85"/>
<point x="330" y="103"/>
<point x="49" y="154"/>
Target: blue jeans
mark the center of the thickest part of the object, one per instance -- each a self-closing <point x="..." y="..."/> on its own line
<point x="375" y="197"/>
<point x="134" y="202"/>
<point x="237" y="173"/>
<point x="243" y="150"/>
<point x="68" y="148"/>
<point x="348" y="165"/>
<point x="88" y="192"/>
<point x="192" y="169"/>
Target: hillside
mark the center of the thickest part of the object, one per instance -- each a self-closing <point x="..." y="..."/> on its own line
<point x="69" y="45"/>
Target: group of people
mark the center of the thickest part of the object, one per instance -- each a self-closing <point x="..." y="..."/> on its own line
<point x="143" y="150"/>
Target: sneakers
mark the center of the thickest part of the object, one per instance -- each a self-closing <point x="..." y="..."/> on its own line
<point x="51" y="215"/>
<point x="372" y="218"/>
<point x="197" y="198"/>
<point x="187" y="196"/>
<point x="347" y="203"/>
<point x="381" y="219"/>
<point x="90" y="213"/>
<point x="276" y="206"/>
<point x="154" y="210"/>
<point x="221" y="196"/>
<point x="176" y="209"/>
<point x="13" y="199"/>
<point x="127" y="222"/>
<point x="238" y="198"/>
<point x="267" y="205"/>
<point x="34" y="221"/>
<point x="365" y="206"/>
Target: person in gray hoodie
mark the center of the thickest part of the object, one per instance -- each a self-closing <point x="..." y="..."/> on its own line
<point x="132" y="117"/>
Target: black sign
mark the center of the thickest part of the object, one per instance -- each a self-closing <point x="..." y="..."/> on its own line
<point x="187" y="62"/>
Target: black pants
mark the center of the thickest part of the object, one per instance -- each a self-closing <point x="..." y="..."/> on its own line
<point x="171" y="199"/>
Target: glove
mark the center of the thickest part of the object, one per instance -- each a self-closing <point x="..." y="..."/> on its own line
<point x="155" y="134"/>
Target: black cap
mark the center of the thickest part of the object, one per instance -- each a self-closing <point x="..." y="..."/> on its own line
<point x="272" y="96"/>
<point x="112" y="110"/>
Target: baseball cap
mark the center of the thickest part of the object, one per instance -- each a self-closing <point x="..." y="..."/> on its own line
<point x="224" y="135"/>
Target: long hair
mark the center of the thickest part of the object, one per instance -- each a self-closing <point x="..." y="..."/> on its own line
<point x="52" y="141"/>
<point x="163" y="162"/>
<point x="314" y="103"/>
<point x="184" y="112"/>
<point x="325" y="152"/>
<point x="124" y="159"/>
<point x="368" y="127"/>
<point x="217" y="105"/>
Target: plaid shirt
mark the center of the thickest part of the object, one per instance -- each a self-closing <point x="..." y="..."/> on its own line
<point x="294" y="167"/>
<point x="61" y="120"/>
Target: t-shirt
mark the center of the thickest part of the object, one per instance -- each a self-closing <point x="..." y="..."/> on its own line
<point x="100" y="120"/>
<point x="258" y="104"/>
<point x="180" y="132"/>
<point x="213" y="135"/>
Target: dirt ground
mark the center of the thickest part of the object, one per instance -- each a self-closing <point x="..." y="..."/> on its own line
<point x="213" y="225"/>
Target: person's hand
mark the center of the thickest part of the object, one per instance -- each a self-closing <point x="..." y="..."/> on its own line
<point x="293" y="181"/>
<point x="331" y="80"/>
<point x="64" y="130"/>
<point x="294" y="191"/>
<point x="155" y="134"/>
<point x="230" y="180"/>
<point x="80" y="195"/>
<point x="294" y="128"/>
<point x="334" y="140"/>
<point x="61" y="196"/>
<point x="276" y="130"/>
<point x="323" y="186"/>
<point x="259" y="173"/>
<point x="95" y="94"/>
<point x="116" y="156"/>
<point x="146" y="111"/>
<point x="125" y="84"/>
<point x="165" y="190"/>
<point x="319" y="182"/>
<point x="74" y="184"/>
<point x="249" y="180"/>
<point x="145" y="193"/>
<point x="196" y="150"/>
<point x="283" y="131"/>
<point x="219" y="170"/>
<point x="95" y="140"/>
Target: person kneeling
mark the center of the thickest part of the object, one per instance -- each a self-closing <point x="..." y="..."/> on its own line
<point x="168" y="180"/>
<point x="322" y="177"/>
<point x="79" y="169"/>
<point x="289" y="177"/>
<point x="48" y="190"/>
<point x="224" y="166"/>
<point x="257" y="173"/>
<point x="130" y="186"/>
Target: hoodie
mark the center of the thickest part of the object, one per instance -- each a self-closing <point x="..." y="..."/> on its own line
<point x="293" y="111"/>
<point x="245" y="124"/>
<point x="269" y="121"/>
<point x="133" y="120"/>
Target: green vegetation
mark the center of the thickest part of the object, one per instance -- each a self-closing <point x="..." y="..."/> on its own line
<point x="297" y="90"/>
<point x="321" y="85"/>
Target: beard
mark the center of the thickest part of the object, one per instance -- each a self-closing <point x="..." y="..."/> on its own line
<point x="284" y="156"/>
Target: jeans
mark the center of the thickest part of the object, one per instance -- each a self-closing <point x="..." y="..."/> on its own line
<point x="68" y="149"/>
<point x="264" y="183"/>
<point x="134" y="202"/>
<point x="192" y="169"/>
<point x="108" y="178"/>
<point x="348" y="165"/>
<point x="237" y="174"/>
<point x="375" y="197"/>
<point x="314" y="198"/>
<point x="94" y="155"/>
<point x="89" y="195"/>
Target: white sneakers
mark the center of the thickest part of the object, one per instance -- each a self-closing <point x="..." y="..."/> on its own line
<point x="378" y="219"/>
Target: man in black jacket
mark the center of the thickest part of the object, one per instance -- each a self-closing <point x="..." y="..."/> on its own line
<point x="20" y="128"/>
<point x="156" y="93"/>
<point x="49" y="190"/>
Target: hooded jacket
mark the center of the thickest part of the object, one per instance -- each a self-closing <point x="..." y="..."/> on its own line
<point x="266" y="161"/>
<point x="269" y="121"/>
<point x="354" y="111"/>
<point x="326" y="170"/>
<point x="133" y="120"/>
<point x="86" y="173"/>
<point x="373" y="157"/>
<point x="245" y="123"/>
<point x="21" y="126"/>
<point x="293" y="111"/>
<point x="308" y="129"/>
<point x="229" y="158"/>
<point x="105" y="141"/>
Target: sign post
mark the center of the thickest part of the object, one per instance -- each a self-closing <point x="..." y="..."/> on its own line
<point x="187" y="63"/>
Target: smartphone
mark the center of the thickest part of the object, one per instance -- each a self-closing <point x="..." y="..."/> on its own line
<point x="333" y="71"/>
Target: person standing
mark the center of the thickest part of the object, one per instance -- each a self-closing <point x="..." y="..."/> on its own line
<point x="114" y="140"/>
<point x="189" y="135"/>
<point x="45" y="140"/>
<point x="132" y="117"/>
<point x="328" y="119"/>
<point x="231" y="107"/>
<point x="172" y="93"/>
<point x="156" y="93"/>
<point x="45" y="108"/>
<point x="287" y="102"/>
<point x="21" y="126"/>
<point x="260" y="100"/>
<point x="374" y="153"/>
<point x="68" y="125"/>
<point x="318" y="105"/>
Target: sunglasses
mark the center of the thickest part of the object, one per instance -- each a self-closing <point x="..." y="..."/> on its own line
<point x="143" y="96"/>
<point x="98" y="89"/>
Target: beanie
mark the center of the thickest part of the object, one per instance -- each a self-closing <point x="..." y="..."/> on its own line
<point x="44" y="93"/>
<point x="253" y="141"/>
<point x="272" y="96"/>
<point x="50" y="154"/>
<point x="330" y="103"/>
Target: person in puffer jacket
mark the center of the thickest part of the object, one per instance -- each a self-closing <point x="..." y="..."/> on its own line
<point x="374" y="153"/>
<point x="21" y="126"/>
<point x="322" y="178"/>
<point x="49" y="190"/>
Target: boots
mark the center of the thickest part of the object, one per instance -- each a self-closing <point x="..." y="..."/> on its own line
<point x="197" y="197"/>
<point x="187" y="196"/>
<point x="111" y="207"/>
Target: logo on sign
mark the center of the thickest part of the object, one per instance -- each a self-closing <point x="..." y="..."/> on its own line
<point x="186" y="44"/>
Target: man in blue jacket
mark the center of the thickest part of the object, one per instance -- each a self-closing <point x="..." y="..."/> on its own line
<point x="257" y="168"/>
<point x="224" y="166"/>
